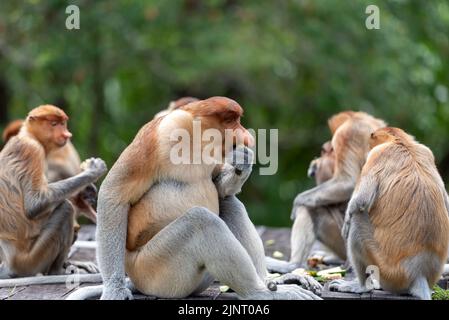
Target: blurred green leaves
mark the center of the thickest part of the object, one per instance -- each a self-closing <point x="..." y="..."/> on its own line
<point x="291" y="64"/>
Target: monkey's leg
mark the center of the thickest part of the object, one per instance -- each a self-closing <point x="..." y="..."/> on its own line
<point x="47" y="252"/>
<point x="420" y="288"/>
<point x="327" y="222"/>
<point x="360" y="233"/>
<point x="234" y="214"/>
<point x="301" y="240"/>
<point x="229" y="182"/>
<point x="64" y="236"/>
<point x="174" y="262"/>
<point x="303" y="236"/>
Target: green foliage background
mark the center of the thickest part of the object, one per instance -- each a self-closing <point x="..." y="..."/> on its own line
<point x="290" y="64"/>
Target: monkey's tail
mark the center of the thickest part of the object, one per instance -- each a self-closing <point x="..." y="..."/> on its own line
<point x="95" y="291"/>
<point x="86" y="293"/>
<point x="54" y="279"/>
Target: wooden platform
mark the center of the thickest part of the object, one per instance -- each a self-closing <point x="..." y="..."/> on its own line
<point x="275" y="239"/>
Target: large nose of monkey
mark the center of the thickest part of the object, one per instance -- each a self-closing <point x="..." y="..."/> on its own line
<point x="67" y="134"/>
<point x="248" y="139"/>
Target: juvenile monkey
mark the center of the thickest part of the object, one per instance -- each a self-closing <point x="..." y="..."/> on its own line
<point x="397" y="218"/>
<point x="36" y="220"/>
<point x="175" y="227"/>
<point x="11" y="130"/>
<point x="320" y="223"/>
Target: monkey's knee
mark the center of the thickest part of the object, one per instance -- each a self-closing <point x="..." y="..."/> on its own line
<point x="202" y="217"/>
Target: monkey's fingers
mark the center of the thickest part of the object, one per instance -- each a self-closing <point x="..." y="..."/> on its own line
<point x="293" y="292"/>
<point x="84" y="267"/>
<point x="341" y="285"/>
<point x="305" y="281"/>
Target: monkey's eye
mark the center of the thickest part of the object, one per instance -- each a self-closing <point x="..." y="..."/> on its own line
<point x="54" y="123"/>
<point x="372" y="135"/>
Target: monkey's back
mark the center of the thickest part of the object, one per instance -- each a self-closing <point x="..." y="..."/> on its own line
<point x="18" y="158"/>
<point x="409" y="216"/>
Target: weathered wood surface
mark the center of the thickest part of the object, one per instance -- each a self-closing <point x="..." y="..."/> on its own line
<point x="281" y="237"/>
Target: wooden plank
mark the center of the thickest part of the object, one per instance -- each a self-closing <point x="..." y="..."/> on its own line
<point x="41" y="292"/>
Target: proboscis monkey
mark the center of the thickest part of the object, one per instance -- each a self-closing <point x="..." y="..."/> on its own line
<point x="350" y="136"/>
<point x="397" y="219"/>
<point x="311" y="224"/>
<point x="63" y="163"/>
<point x="36" y="219"/>
<point x="173" y="228"/>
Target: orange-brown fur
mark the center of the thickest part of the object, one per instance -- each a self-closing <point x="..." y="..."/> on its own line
<point x="351" y="132"/>
<point x="11" y="130"/>
<point x="62" y="163"/>
<point x="23" y="161"/>
<point x="409" y="216"/>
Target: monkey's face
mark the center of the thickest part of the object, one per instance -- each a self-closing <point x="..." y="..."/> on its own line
<point x="60" y="133"/>
<point x="222" y="114"/>
<point x="322" y="168"/>
<point x="52" y="132"/>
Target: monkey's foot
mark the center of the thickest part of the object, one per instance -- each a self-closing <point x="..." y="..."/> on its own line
<point x="284" y="292"/>
<point x="80" y="267"/>
<point x="305" y="281"/>
<point x="352" y="286"/>
<point x="116" y="294"/>
<point x="280" y="266"/>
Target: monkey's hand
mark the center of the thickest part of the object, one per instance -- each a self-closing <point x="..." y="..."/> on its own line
<point x="234" y="172"/>
<point x="312" y="168"/>
<point x="305" y="281"/>
<point x="116" y="294"/>
<point x="95" y="166"/>
<point x="355" y="206"/>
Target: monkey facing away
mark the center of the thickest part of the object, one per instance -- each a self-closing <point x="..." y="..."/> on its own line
<point x="350" y="136"/>
<point x="36" y="219"/>
<point x="175" y="227"/>
<point x="321" y="223"/>
<point x="397" y="218"/>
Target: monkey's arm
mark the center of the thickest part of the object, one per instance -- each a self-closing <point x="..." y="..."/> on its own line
<point x="234" y="172"/>
<point x="333" y="191"/>
<point x="41" y="201"/>
<point x="361" y="201"/>
<point x="112" y="220"/>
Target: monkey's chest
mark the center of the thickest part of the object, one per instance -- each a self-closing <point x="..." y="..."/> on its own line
<point x="165" y="202"/>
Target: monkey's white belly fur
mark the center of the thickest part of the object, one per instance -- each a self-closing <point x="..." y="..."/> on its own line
<point x="165" y="202"/>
